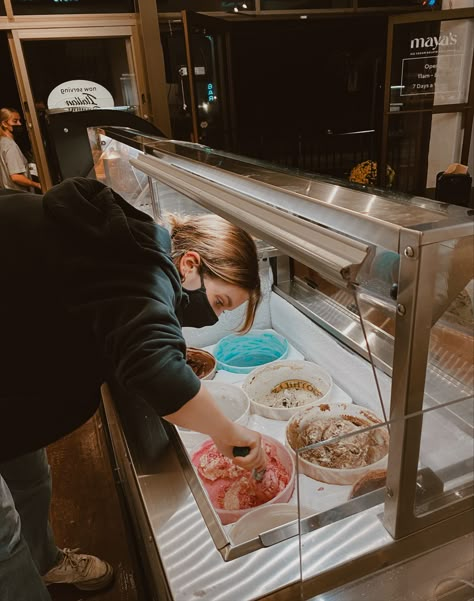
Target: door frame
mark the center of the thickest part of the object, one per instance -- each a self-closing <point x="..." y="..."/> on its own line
<point x="465" y="108"/>
<point x="223" y="28"/>
<point x="16" y="36"/>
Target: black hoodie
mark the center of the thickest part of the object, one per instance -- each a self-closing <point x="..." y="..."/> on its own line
<point x="88" y="292"/>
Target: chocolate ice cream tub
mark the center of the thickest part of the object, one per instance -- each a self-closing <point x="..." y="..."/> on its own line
<point x="201" y="362"/>
<point x="343" y="461"/>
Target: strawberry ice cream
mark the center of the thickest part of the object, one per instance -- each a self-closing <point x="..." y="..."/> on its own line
<point x="233" y="488"/>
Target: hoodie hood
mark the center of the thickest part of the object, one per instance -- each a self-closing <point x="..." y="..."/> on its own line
<point x="101" y="217"/>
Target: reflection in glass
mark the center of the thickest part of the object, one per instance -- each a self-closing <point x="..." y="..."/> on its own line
<point x="342" y="474"/>
<point x="421" y="145"/>
<point x="445" y="423"/>
<point x="462" y="588"/>
<point x="408" y="150"/>
<point x="112" y="167"/>
<point x="341" y="478"/>
<point x="446" y="465"/>
<point x="102" y="61"/>
<point x="206" y="50"/>
<point x="171" y="201"/>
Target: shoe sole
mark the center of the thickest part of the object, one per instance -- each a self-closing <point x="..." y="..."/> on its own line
<point x="98" y="583"/>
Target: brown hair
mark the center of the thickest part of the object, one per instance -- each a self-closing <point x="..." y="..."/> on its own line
<point x="227" y="252"/>
<point x="5" y="114"/>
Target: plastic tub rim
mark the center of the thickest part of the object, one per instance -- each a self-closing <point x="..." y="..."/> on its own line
<point x="285" y="413"/>
<point x="221" y="365"/>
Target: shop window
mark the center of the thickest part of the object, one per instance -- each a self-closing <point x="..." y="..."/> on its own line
<point x="103" y="61"/>
<point x="39" y="7"/>
<point x="86" y="74"/>
<point x="431" y="64"/>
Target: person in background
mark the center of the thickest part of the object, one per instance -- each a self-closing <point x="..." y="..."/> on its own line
<point x="14" y="170"/>
<point x="94" y="291"/>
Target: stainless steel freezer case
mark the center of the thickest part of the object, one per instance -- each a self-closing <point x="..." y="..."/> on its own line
<point x="337" y="231"/>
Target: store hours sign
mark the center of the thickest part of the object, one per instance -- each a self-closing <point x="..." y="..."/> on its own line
<point x="80" y="95"/>
<point x="433" y="65"/>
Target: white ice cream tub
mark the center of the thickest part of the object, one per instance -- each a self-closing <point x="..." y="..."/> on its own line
<point x="287" y="379"/>
<point x="264" y="518"/>
<point x="231" y="400"/>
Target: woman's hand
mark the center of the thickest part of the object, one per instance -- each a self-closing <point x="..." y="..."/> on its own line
<point x="243" y="437"/>
<point x="201" y="414"/>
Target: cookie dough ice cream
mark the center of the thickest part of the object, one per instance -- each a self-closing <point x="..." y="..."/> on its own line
<point x="231" y="487"/>
<point x="355" y="451"/>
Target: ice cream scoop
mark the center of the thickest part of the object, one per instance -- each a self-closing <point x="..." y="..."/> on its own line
<point x="243" y="452"/>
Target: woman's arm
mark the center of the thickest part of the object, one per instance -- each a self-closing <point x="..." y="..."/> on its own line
<point x="203" y="415"/>
<point x="143" y="342"/>
<point x="22" y="180"/>
<point x="16" y="165"/>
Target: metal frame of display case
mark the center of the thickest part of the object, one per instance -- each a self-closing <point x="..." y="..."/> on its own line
<point x="229" y="196"/>
<point x="333" y="229"/>
<point x="414" y="320"/>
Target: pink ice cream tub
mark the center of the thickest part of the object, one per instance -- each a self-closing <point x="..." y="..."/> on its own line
<point x="234" y="491"/>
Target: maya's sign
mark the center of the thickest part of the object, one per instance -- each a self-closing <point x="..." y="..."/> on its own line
<point x="432" y="42"/>
<point x="433" y="64"/>
<point x="80" y="95"/>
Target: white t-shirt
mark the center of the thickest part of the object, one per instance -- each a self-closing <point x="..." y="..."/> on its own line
<point x="12" y="161"/>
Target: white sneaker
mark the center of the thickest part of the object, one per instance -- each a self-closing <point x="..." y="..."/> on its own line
<point x="85" y="572"/>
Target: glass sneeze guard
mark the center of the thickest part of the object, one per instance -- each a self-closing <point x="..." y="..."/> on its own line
<point x="307" y="218"/>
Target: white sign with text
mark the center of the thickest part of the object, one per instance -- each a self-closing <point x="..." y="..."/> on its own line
<point x="80" y="95"/>
<point x="435" y="65"/>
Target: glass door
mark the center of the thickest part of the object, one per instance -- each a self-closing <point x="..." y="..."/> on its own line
<point x="429" y="97"/>
<point x="206" y="80"/>
<point x="70" y="71"/>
